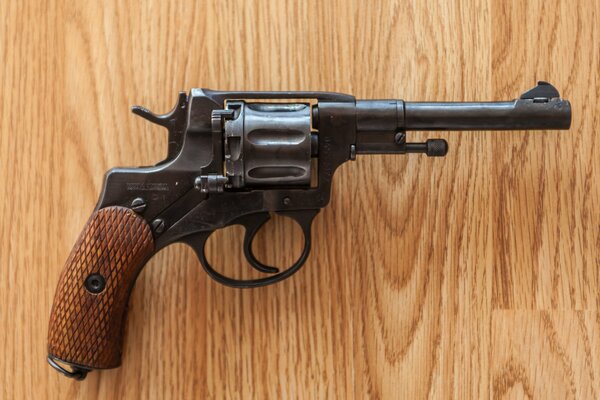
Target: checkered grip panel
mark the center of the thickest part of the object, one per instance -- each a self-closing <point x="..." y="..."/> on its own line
<point x="85" y="328"/>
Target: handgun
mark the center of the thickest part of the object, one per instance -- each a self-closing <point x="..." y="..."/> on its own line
<point x="237" y="158"/>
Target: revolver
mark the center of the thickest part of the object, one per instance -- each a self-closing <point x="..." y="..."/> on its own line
<point x="235" y="157"/>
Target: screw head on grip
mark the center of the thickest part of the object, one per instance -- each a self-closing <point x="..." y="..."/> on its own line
<point x="95" y="283"/>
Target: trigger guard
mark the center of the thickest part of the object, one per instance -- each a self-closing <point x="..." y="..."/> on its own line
<point x="303" y="218"/>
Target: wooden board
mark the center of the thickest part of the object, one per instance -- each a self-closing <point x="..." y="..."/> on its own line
<point x="470" y="276"/>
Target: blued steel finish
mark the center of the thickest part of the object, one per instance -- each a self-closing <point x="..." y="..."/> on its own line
<point x="232" y="160"/>
<point x="538" y="108"/>
<point x="503" y="115"/>
<point x="267" y="144"/>
<point x="378" y="121"/>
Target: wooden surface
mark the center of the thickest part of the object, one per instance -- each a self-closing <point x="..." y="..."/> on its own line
<point x="470" y="276"/>
<point x="89" y="309"/>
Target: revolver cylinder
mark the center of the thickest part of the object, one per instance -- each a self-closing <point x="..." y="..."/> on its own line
<point x="268" y="144"/>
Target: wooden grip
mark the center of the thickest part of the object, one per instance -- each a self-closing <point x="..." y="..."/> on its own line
<point x="89" y="310"/>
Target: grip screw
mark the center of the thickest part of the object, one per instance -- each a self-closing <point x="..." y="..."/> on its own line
<point x="95" y="283"/>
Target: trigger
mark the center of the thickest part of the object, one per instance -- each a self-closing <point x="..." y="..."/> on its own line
<point x="253" y="223"/>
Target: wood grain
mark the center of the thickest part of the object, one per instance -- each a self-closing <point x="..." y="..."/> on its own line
<point x="471" y="276"/>
<point x="87" y="323"/>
